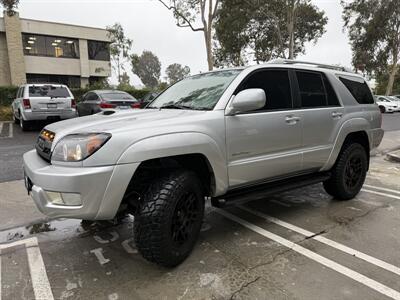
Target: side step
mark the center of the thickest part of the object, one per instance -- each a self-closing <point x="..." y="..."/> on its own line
<point x="242" y="195"/>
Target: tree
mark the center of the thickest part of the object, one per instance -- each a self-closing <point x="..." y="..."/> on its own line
<point x="176" y="72"/>
<point x="124" y="81"/>
<point x="374" y="32"/>
<point x="187" y="13"/>
<point x="262" y="30"/>
<point x="119" y="48"/>
<point x="148" y="67"/>
<point x="10" y="6"/>
<point x="382" y="80"/>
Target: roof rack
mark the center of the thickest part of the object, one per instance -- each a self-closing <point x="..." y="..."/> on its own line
<point x="318" y="65"/>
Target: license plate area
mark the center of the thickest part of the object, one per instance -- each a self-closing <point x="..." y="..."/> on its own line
<point x="52" y="105"/>
<point x="123" y="107"/>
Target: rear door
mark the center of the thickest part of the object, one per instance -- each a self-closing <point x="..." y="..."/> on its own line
<point x="321" y="115"/>
<point x="49" y="98"/>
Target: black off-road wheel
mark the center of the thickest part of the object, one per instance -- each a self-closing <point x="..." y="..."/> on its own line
<point x="348" y="173"/>
<point x="169" y="219"/>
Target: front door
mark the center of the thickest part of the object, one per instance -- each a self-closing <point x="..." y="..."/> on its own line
<point x="266" y="143"/>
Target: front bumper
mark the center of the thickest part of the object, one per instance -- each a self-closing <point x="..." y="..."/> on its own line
<point x="101" y="189"/>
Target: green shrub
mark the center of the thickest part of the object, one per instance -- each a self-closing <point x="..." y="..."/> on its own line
<point x="5" y="113"/>
<point x="7" y="94"/>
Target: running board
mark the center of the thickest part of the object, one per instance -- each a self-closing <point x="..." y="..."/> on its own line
<point x="242" y="195"/>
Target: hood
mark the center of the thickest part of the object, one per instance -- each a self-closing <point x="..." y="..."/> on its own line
<point x="122" y="121"/>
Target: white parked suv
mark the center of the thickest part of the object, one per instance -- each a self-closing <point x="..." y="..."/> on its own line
<point x="40" y="102"/>
<point x="231" y="135"/>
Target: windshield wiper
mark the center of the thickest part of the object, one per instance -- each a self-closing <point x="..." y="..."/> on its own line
<point x="176" y="106"/>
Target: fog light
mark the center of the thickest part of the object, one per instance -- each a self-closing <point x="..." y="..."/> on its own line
<point x="70" y="199"/>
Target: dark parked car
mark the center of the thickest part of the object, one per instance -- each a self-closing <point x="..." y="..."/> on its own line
<point x="95" y="101"/>
<point x="148" y="98"/>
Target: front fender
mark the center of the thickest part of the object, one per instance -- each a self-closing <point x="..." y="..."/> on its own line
<point x="352" y="125"/>
<point x="180" y="144"/>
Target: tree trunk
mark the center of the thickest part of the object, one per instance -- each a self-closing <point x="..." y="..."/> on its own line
<point x="291" y="19"/>
<point x="210" y="59"/>
<point x="392" y="75"/>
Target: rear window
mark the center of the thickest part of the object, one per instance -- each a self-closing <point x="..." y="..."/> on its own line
<point x="359" y="90"/>
<point x="116" y="96"/>
<point x="48" y="91"/>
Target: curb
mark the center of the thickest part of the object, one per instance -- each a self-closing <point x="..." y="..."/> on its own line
<point x="394" y="156"/>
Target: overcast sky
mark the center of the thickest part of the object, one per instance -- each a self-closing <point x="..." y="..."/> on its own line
<point x="152" y="27"/>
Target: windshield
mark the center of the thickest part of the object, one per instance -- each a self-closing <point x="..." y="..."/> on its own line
<point x="116" y="96"/>
<point x="48" y="91"/>
<point x="200" y="92"/>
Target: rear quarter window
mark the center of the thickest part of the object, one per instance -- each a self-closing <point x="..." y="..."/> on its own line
<point x="359" y="90"/>
<point x="48" y="91"/>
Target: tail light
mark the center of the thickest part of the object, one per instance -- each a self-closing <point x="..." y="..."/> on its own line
<point x="27" y="103"/>
<point x="73" y="103"/>
<point x="135" y="105"/>
<point x="106" y="105"/>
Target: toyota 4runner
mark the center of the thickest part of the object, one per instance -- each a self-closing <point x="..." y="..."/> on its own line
<point x="231" y="135"/>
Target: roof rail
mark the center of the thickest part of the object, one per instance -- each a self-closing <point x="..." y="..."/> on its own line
<point x="318" y="65"/>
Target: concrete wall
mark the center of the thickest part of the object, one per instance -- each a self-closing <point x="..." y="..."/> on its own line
<point x="99" y="68"/>
<point x="52" y="65"/>
<point x="4" y="66"/>
<point x="64" y="30"/>
<point x="15" y="53"/>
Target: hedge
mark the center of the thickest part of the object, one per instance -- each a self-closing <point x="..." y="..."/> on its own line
<point x="8" y="93"/>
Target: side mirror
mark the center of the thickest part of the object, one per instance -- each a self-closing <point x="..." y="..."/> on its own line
<point x="247" y="100"/>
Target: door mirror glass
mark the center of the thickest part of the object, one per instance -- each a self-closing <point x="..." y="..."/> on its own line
<point x="247" y="100"/>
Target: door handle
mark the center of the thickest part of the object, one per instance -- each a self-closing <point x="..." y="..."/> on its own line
<point x="336" y="114"/>
<point x="292" y="119"/>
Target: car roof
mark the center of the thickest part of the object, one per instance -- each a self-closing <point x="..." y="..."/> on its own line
<point x="108" y="92"/>
<point x="302" y="65"/>
<point x="45" y="84"/>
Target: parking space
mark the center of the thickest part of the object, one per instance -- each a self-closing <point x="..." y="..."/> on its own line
<point x="296" y="245"/>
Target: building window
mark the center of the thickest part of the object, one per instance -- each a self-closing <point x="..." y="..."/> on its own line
<point x="52" y="46"/>
<point x="99" y="50"/>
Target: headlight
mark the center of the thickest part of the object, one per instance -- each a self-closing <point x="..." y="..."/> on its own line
<point x="77" y="147"/>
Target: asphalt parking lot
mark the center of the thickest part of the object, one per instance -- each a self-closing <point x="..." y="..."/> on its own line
<point x="300" y="244"/>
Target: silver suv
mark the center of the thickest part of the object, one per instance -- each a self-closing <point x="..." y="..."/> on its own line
<point x="231" y="135"/>
<point x="38" y="102"/>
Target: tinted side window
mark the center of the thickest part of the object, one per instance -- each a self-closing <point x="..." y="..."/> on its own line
<point x="359" y="90"/>
<point x="332" y="98"/>
<point x="276" y="85"/>
<point x="19" y="93"/>
<point x="312" y="90"/>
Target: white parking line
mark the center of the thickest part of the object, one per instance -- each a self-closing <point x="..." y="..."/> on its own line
<point x="40" y="281"/>
<point x="10" y="130"/>
<point x="326" y="241"/>
<point x="377" y="286"/>
<point x="382" y="189"/>
<point x="381" y="194"/>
